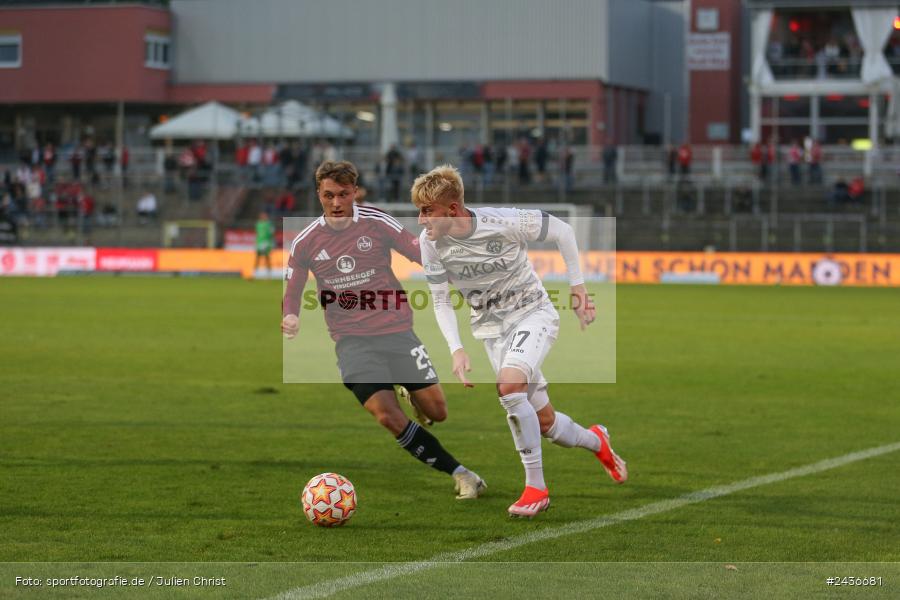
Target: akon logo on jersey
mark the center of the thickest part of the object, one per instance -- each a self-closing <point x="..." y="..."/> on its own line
<point x="478" y="270"/>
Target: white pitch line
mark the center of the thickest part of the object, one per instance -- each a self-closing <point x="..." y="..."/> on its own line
<point x="390" y="571"/>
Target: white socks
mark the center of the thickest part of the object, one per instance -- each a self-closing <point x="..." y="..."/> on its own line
<point x="567" y="433"/>
<point x="526" y="432"/>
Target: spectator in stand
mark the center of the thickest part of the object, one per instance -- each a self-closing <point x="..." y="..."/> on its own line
<point x="170" y="168"/>
<point x="75" y="160"/>
<point x="772" y="157"/>
<point x="523" y="152"/>
<point x="34" y="186"/>
<point x="840" y="194"/>
<point x="147" y="208"/>
<point x="477" y="160"/>
<point x="857" y="189"/>
<point x="188" y="167"/>
<point x="814" y="160"/>
<point x="298" y="173"/>
<point x="672" y="161"/>
<point x="832" y="52"/>
<point x="610" y="157"/>
<point x="8" y="206"/>
<point x="270" y="166"/>
<point x="270" y="155"/>
<point x="760" y="159"/>
<point x="393" y="170"/>
<point x="254" y="160"/>
<point x="487" y="157"/>
<point x="795" y="157"/>
<point x="285" y="154"/>
<point x="286" y="161"/>
<point x="502" y="159"/>
<point x="85" y="205"/>
<point x="541" y="154"/>
<point x="67" y="205"/>
<point x="240" y="153"/>
<point x="23" y="174"/>
<point x="240" y="157"/>
<point x="187" y="162"/>
<point x="109" y="216"/>
<point x="90" y="161"/>
<point x="49" y="159"/>
<point x="285" y="203"/>
<point x="568" y="163"/>
<point x="685" y="157"/>
<point x="200" y="154"/>
<point x="108" y="157"/>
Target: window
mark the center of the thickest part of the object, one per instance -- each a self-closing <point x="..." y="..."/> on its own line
<point x="157" y="54"/>
<point x="814" y="44"/>
<point x="10" y="51"/>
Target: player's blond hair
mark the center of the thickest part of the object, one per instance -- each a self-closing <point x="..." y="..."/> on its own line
<point x="442" y="184"/>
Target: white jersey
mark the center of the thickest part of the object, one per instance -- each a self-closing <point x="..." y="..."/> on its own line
<point x="490" y="267"/>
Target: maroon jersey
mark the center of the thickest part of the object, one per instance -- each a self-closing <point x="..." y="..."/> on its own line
<point x="356" y="286"/>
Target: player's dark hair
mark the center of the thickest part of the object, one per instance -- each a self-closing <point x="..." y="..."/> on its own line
<point x="340" y="171"/>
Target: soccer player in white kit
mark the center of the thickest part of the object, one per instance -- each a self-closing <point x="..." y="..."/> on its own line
<point x="483" y="252"/>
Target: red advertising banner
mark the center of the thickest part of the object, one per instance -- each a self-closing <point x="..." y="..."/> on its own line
<point x="127" y="259"/>
<point x="45" y="262"/>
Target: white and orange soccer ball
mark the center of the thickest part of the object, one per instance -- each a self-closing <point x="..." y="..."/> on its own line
<point x="329" y="500"/>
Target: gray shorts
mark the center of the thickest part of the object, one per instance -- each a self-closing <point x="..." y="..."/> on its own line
<point x="392" y="358"/>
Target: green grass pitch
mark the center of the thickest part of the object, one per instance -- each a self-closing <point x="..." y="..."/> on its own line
<point x="144" y="420"/>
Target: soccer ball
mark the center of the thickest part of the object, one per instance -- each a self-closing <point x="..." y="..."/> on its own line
<point x="329" y="500"/>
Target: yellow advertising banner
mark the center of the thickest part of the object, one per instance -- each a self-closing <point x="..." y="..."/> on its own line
<point x="728" y="268"/>
<point x="753" y="268"/>
<point x="217" y="261"/>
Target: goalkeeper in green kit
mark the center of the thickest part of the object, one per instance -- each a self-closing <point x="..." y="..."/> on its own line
<point x="265" y="241"/>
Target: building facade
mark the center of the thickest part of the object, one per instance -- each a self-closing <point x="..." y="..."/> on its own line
<point x="825" y="69"/>
<point x="446" y="72"/>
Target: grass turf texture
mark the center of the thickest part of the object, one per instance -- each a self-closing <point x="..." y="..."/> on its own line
<point x="144" y="420"/>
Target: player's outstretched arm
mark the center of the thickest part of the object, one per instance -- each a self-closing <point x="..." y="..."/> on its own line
<point x="583" y="305"/>
<point x="461" y="366"/>
<point x="562" y="233"/>
<point x="446" y="318"/>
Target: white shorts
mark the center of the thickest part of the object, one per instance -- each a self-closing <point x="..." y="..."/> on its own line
<point x="525" y="345"/>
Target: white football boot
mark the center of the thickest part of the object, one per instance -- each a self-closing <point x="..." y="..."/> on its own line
<point x="418" y="415"/>
<point x="469" y="485"/>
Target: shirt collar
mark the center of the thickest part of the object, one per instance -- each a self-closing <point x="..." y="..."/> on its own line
<point x="474" y="218"/>
<point x="355" y="216"/>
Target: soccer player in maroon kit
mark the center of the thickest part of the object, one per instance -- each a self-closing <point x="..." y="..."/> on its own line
<point x="348" y="249"/>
